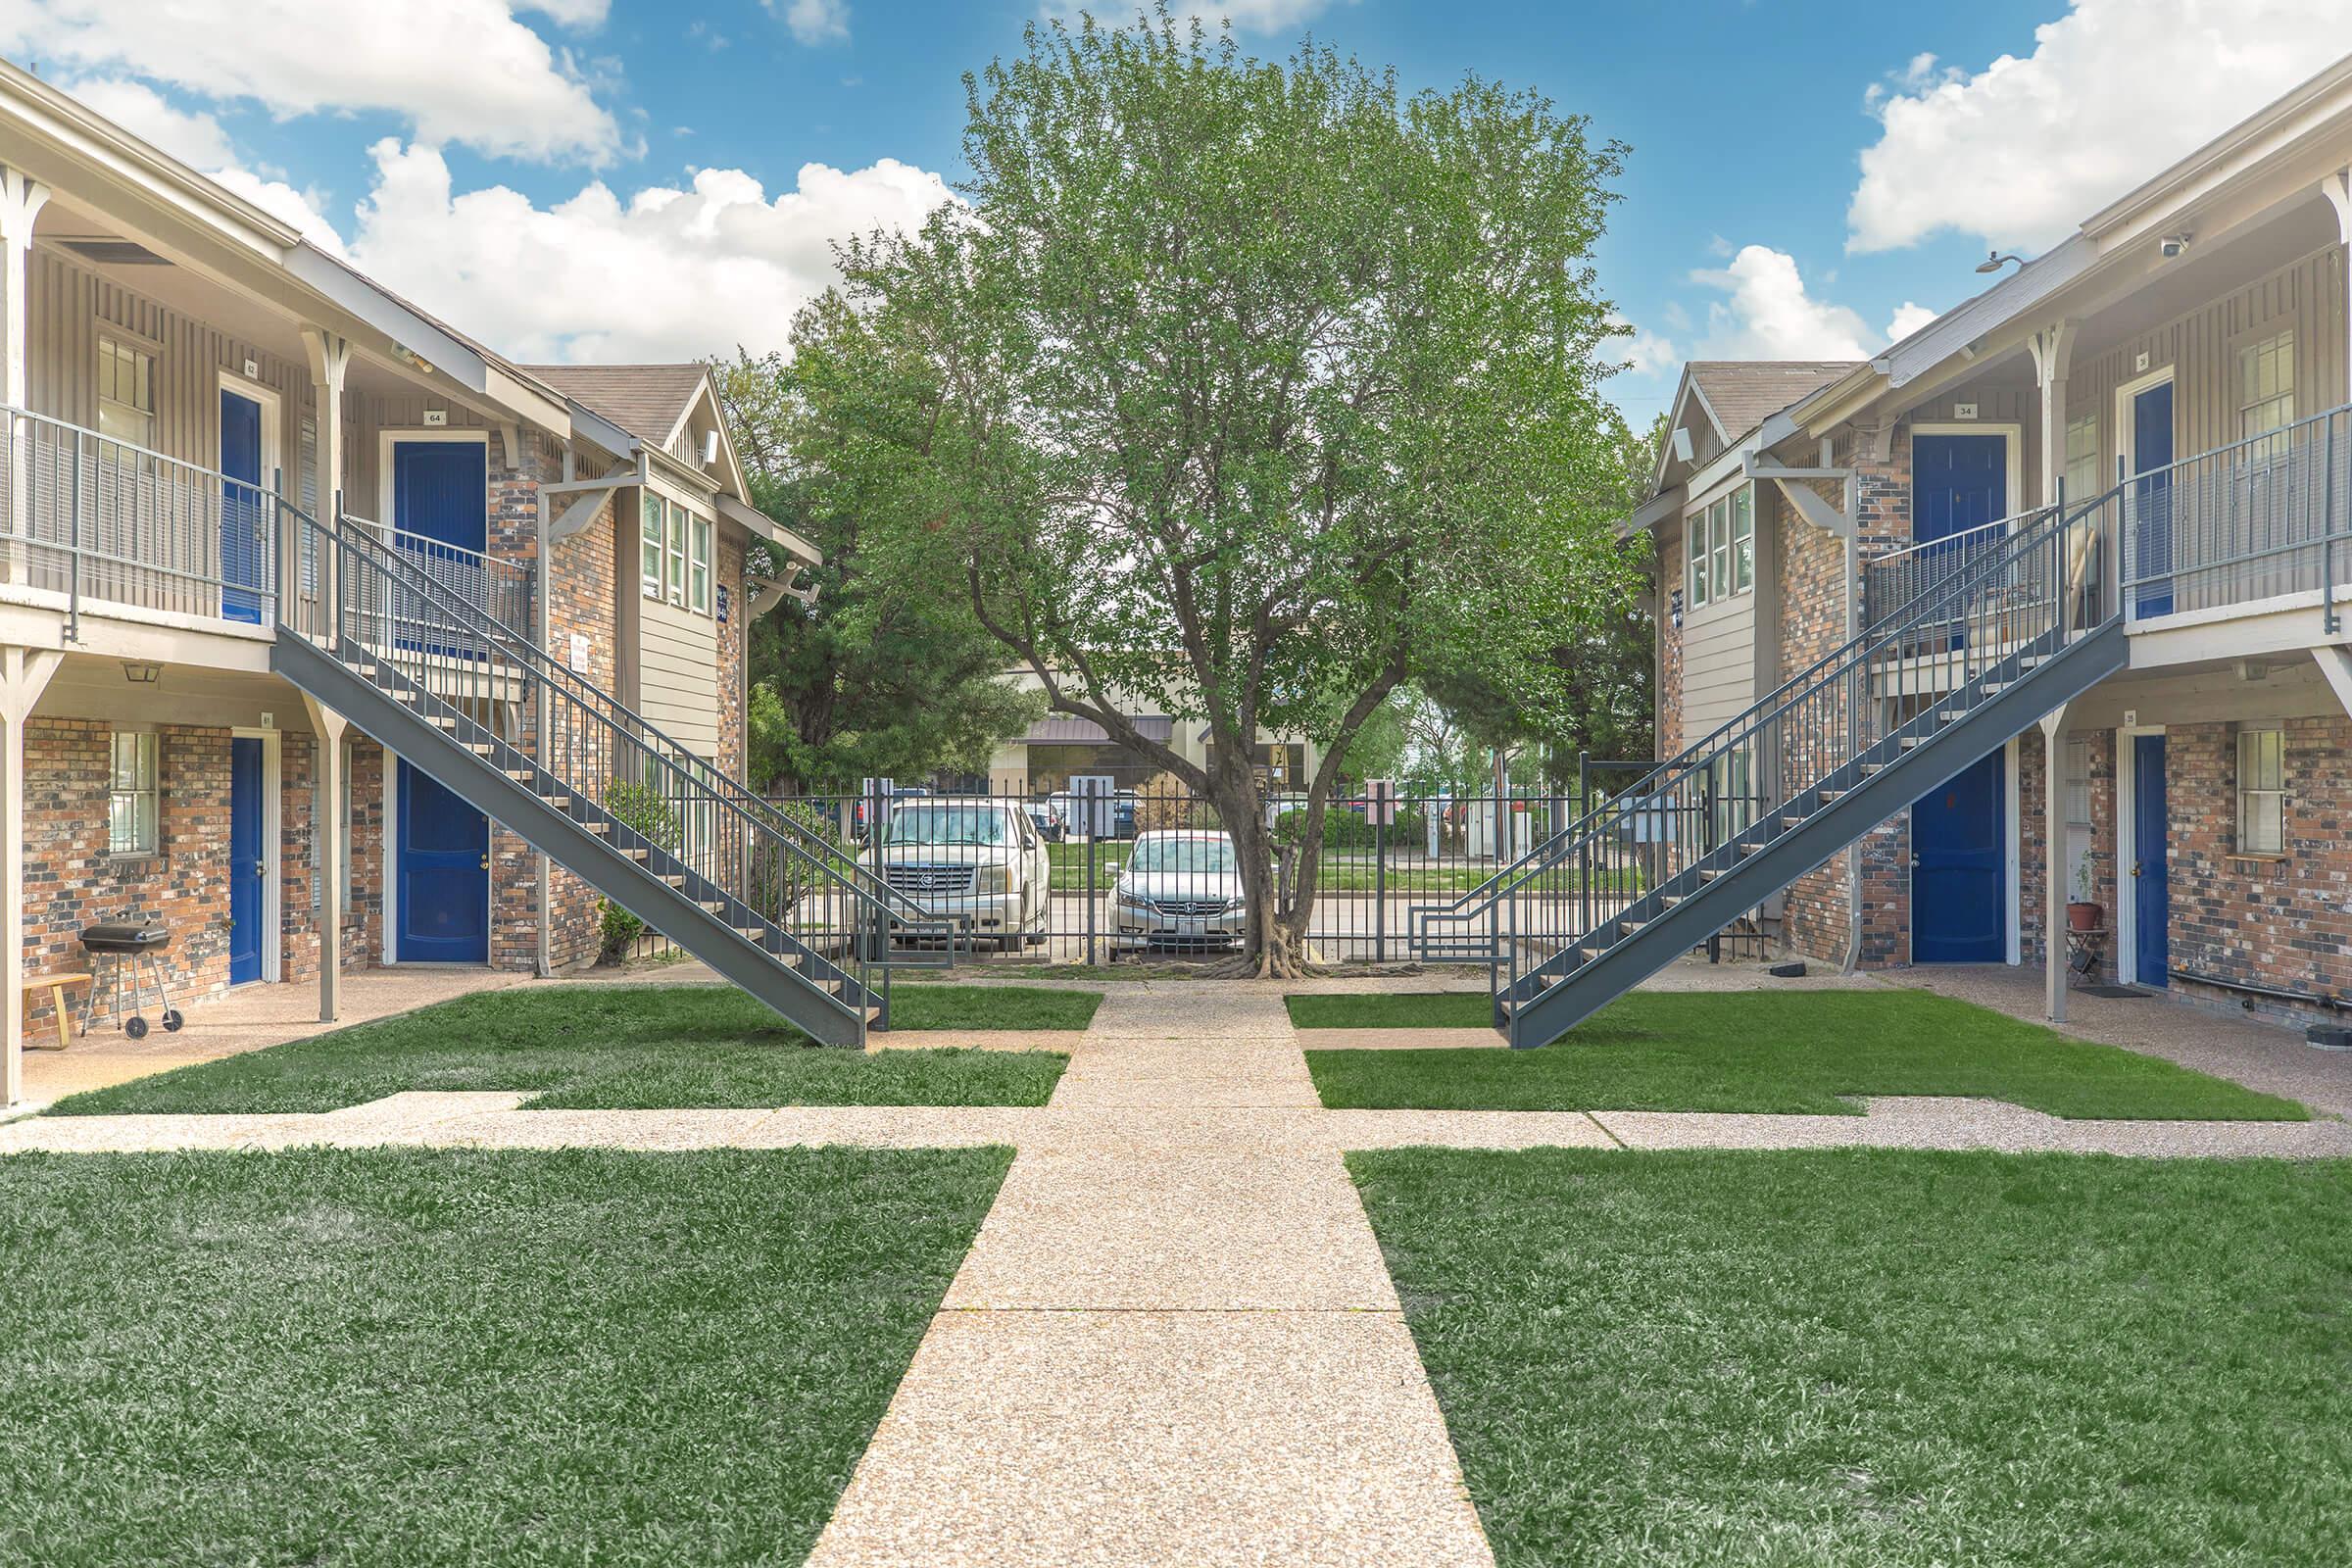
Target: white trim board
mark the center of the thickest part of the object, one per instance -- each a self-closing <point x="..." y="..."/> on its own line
<point x="273" y="868"/>
<point x="2126" y="827"/>
<point x="385" y="440"/>
<point x="2013" y="436"/>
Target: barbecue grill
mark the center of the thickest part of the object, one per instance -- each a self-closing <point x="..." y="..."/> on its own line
<point x="136" y="946"/>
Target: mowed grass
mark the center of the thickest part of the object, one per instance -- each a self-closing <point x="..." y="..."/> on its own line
<point x="1794" y="1052"/>
<point x="402" y="1357"/>
<point x="626" y="1046"/>
<point x="1884" y="1359"/>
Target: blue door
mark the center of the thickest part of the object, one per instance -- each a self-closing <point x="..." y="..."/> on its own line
<point x="444" y="875"/>
<point x="2151" y="887"/>
<point x="2153" y="497"/>
<point x="1958" y="482"/>
<point x="244" y="519"/>
<point x="246" y="862"/>
<point x="439" y="492"/>
<point x="1959" y="871"/>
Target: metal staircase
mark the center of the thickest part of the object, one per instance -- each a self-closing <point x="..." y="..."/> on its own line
<point x="426" y="669"/>
<point x="1981" y="651"/>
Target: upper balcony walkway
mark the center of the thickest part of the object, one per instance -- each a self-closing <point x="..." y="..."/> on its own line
<point x="2250" y="542"/>
<point x="97" y="527"/>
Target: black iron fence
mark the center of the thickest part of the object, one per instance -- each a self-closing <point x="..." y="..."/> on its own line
<point x="1150" y="874"/>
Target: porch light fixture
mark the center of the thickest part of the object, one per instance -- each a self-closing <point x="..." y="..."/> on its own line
<point x="141" y="672"/>
<point x="1994" y="260"/>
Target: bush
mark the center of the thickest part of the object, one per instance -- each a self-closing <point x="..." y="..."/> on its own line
<point x="641" y="808"/>
<point x="1344" y="829"/>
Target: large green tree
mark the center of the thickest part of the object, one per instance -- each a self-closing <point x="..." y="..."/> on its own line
<point x="1270" y="388"/>
<point x="882" y="671"/>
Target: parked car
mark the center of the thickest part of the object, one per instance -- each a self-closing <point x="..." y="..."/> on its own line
<point x="1047" y="821"/>
<point x="904" y="792"/>
<point x="1180" y="888"/>
<point x="980" y="863"/>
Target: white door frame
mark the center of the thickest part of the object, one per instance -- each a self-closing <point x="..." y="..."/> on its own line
<point x="2013" y="438"/>
<point x="273" y="950"/>
<point x="274" y="457"/>
<point x="2126" y="830"/>
<point x="2124" y="398"/>
<point x="387" y="440"/>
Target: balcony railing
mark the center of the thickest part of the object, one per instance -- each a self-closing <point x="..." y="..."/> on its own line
<point x="2259" y="518"/>
<point x="103" y="522"/>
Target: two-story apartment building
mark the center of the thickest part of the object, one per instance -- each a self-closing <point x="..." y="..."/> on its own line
<point x="328" y="637"/>
<point x="2130" y="458"/>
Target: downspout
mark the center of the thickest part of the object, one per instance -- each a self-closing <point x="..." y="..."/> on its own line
<point x="1853" y="627"/>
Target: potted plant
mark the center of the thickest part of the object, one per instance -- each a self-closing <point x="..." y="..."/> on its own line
<point x="2082" y="913"/>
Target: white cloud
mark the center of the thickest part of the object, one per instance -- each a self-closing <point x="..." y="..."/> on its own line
<point x="1770" y="315"/>
<point x="2022" y="151"/>
<point x="198" y="140"/>
<point x="1645" y="353"/>
<point x="1908" y="318"/>
<point x="814" y="22"/>
<point x="670" y="273"/>
<point x="459" y="70"/>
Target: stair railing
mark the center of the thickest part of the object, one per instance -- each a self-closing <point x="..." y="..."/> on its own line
<point x="381" y="605"/>
<point x="2041" y="587"/>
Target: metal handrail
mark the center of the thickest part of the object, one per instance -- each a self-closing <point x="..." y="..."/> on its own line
<point x="598" y="747"/>
<point x="2040" y="582"/>
<point x="1553" y="848"/>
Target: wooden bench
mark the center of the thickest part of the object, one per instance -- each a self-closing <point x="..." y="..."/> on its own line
<point x="55" y="985"/>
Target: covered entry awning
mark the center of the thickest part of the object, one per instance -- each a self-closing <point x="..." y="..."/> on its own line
<point x="1066" y="729"/>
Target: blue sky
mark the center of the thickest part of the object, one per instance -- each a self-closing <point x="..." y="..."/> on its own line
<point x="1805" y="179"/>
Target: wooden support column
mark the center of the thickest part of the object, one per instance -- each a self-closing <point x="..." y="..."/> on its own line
<point x="21" y="201"/>
<point x="24" y="673"/>
<point x="2053" y="349"/>
<point x="2338" y="188"/>
<point x="2053" y="863"/>
<point x="330" y="355"/>
<point x="331" y="825"/>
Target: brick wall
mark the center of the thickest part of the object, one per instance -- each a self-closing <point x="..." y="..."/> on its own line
<point x="2286" y="923"/>
<point x="1671" y="739"/>
<point x="70" y="882"/>
<point x="2034" y="847"/>
<point x="732" y="755"/>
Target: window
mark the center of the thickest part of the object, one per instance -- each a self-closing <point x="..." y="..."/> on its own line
<point x="677" y="555"/>
<point x="698" y="564"/>
<point x="126" y="392"/>
<point x="648" y="548"/>
<point x="2082" y="457"/>
<point x="1721" y="541"/>
<point x="2261" y="790"/>
<point x="2266" y="394"/>
<point x="130" y="810"/>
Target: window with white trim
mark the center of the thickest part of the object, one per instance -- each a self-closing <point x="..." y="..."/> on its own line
<point x="126" y="392"/>
<point x="1719" y="541"/>
<point x="677" y="555"/>
<point x="132" y="793"/>
<point x="2261" y="790"/>
<point x="698" y="564"/>
<point x="648" y="548"/>
<point x="2083" y="456"/>
<point x="2265" y="391"/>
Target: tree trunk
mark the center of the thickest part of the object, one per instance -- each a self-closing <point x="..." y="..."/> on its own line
<point x="1274" y="946"/>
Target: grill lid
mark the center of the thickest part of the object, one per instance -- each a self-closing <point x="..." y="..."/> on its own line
<point x="124" y="936"/>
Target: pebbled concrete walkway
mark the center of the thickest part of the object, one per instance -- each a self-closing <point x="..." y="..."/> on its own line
<point x="1174" y="1340"/>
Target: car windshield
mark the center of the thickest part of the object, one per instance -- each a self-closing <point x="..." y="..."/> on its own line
<point x="1210" y="857"/>
<point x="943" y="822"/>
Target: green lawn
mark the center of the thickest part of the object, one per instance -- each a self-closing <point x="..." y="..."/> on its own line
<point x="1852" y="1359"/>
<point x="1759" y="1051"/>
<point x="395" y="1357"/>
<point x="606" y="1047"/>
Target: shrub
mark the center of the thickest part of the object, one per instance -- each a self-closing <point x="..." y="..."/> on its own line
<point x="641" y="808"/>
<point x="1344" y="829"/>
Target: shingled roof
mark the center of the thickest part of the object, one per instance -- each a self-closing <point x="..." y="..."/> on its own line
<point x="644" y="400"/>
<point x="1744" y="393"/>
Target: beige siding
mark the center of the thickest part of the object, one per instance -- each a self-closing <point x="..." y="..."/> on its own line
<point x="1719" y="665"/>
<point x="68" y="305"/>
<point x="678" y="675"/>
